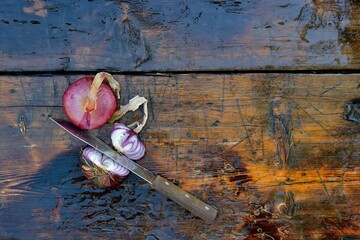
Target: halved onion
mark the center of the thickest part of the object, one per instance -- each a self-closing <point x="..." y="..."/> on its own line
<point x="102" y="170"/>
<point x="127" y="142"/>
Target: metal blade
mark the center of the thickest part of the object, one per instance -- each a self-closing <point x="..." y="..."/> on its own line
<point x="102" y="147"/>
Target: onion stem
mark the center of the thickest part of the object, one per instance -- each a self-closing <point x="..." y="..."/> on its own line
<point x="90" y="103"/>
<point x="95" y="86"/>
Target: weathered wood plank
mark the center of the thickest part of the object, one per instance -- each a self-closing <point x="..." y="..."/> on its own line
<point x="22" y="91"/>
<point x="81" y="35"/>
<point x="271" y="151"/>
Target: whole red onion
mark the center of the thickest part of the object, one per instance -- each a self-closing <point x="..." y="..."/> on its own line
<point x="89" y="103"/>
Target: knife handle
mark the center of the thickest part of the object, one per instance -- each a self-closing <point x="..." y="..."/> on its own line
<point x="185" y="199"/>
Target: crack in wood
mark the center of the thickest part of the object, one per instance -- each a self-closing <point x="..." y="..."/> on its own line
<point x="281" y="122"/>
<point x="245" y="128"/>
<point x="22" y="125"/>
<point x="331" y="200"/>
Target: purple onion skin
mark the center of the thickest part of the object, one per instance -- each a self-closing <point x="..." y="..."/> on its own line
<point x="127" y="142"/>
<point x="93" y="165"/>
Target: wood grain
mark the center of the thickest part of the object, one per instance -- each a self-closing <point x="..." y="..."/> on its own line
<point x="179" y="35"/>
<point x="271" y="151"/>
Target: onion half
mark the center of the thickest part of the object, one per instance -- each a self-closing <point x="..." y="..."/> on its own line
<point x="127" y="142"/>
<point x="102" y="170"/>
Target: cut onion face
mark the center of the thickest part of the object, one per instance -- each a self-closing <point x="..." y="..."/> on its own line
<point x="127" y="142"/>
<point x="81" y="112"/>
<point x="102" y="170"/>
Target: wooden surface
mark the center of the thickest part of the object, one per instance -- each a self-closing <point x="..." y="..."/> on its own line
<point x="271" y="151"/>
<point x="166" y="35"/>
<point x="246" y="104"/>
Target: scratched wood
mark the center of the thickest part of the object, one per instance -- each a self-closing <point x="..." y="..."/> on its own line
<point x="208" y="35"/>
<point x="271" y="151"/>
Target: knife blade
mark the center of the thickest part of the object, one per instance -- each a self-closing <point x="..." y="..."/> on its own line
<point x="162" y="185"/>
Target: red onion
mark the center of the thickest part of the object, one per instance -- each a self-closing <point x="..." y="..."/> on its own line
<point x="127" y="142"/>
<point x="88" y="103"/>
<point x="102" y="170"/>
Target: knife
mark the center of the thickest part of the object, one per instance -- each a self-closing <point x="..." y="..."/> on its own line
<point x="160" y="184"/>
